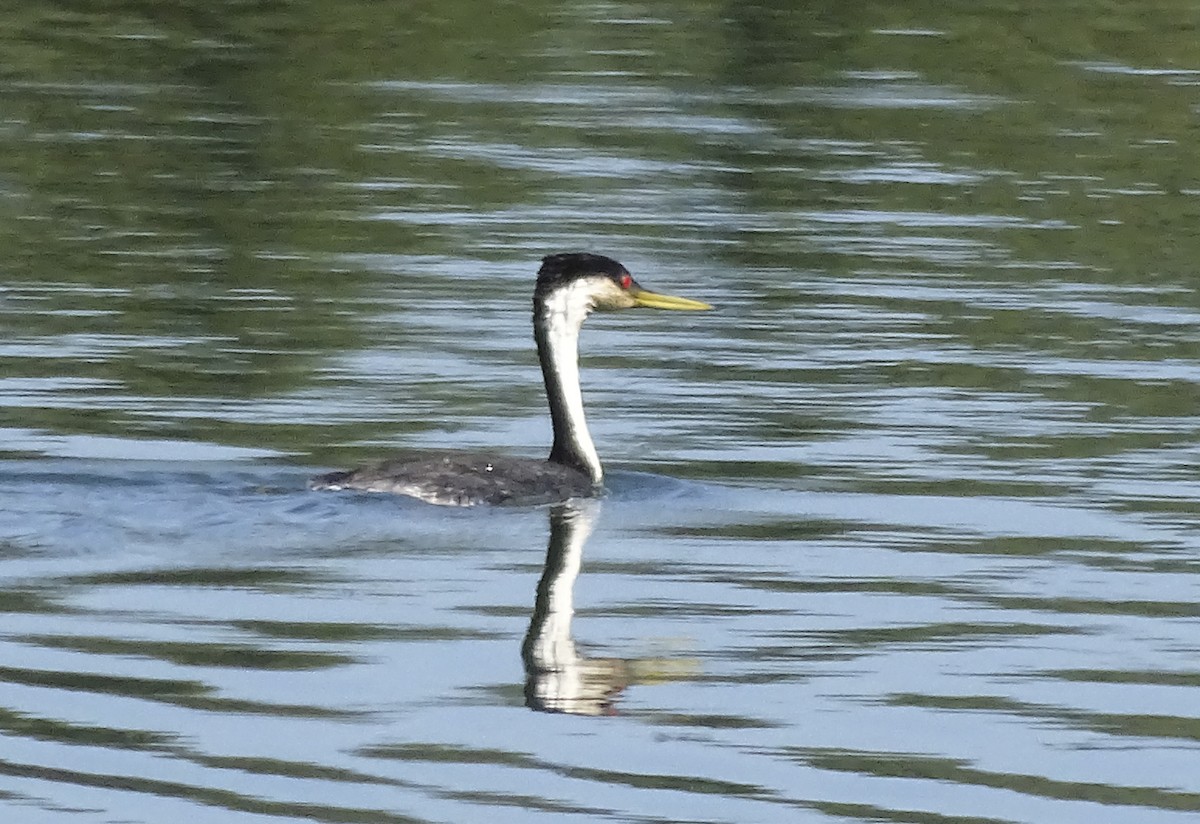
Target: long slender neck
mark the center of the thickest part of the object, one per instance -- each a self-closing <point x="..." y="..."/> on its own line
<point x="557" y="318"/>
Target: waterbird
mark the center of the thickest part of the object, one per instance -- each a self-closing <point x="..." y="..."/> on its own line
<point x="570" y="286"/>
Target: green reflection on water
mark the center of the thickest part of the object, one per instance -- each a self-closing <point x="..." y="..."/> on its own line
<point x="194" y="194"/>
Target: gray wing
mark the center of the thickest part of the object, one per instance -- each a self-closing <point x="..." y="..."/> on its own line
<point x="464" y="479"/>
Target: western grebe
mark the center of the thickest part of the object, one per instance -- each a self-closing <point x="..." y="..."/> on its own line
<point x="569" y="287"/>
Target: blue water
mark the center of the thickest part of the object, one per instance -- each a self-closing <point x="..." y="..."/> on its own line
<point x="905" y="530"/>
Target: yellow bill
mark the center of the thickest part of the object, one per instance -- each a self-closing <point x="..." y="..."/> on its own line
<point x="653" y="300"/>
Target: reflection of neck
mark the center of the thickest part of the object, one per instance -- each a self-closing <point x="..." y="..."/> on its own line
<point x="558" y="678"/>
<point x="557" y="318"/>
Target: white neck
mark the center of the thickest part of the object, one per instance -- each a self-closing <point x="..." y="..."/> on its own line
<point x="557" y="319"/>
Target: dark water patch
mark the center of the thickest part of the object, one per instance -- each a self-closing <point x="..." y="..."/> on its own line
<point x="526" y="803"/>
<point x="862" y="585"/>
<point x="658" y="607"/>
<point x="867" y="812"/>
<point x="1156" y="728"/>
<point x="49" y="729"/>
<point x="183" y="693"/>
<point x="433" y="751"/>
<point x="1148" y="608"/>
<point x="253" y="578"/>
<point x="355" y="633"/>
<point x="1032" y="546"/>
<point x="149" y="688"/>
<point x="1160" y="728"/>
<point x="234" y="707"/>
<point x="667" y="781"/>
<point x="230" y="802"/>
<point x="940" y="635"/>
<point x="775" y="530"/>
<point x="293" y="769"/>
<point x="1180" y="679"/>
<point x="965" y="703"/>
<point x="714" y="722"/>
<point x="32" y="601"/>
<point x="918" y="767"/>
<point x="462" y="755"/>
<point x="1171" y="565"/>
<point x="195" y="654"/>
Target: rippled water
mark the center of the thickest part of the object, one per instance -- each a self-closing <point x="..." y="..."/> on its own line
<point x="905" y="531"/>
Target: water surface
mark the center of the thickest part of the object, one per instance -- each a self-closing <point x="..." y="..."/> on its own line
<point x="905" y="531"/>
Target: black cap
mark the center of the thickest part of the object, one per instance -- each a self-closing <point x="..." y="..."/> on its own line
<point x="567" y="266"/>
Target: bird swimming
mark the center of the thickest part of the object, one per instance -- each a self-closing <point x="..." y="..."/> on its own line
<point x="570" y="286"/>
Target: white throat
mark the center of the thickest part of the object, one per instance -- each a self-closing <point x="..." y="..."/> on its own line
<point x="558" y="318"/>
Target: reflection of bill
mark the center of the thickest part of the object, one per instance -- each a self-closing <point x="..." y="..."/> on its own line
<point x="557" y="677"/>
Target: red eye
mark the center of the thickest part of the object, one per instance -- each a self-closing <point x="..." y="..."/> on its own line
<point x="626" y="280"/>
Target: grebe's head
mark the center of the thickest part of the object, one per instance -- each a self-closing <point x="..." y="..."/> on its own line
<point x="588" y="281"/>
